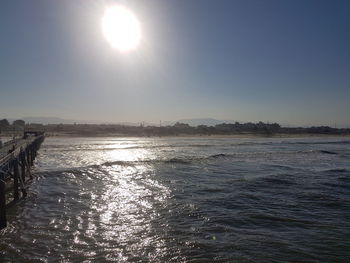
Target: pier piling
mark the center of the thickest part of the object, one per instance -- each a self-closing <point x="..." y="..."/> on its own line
<point x="16" y="158"/>
<point x="22" y="157"/>
<point x="3" y="221"/>
<point x="15" y="180"/>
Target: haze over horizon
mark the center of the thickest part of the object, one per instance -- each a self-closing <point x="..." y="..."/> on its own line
<point x="191" y="121"/>
<point x="276" y="61"/>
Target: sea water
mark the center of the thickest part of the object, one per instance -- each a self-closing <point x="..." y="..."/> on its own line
<point x="184" y="200"/>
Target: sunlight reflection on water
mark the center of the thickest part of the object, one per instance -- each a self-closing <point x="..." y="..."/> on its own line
<point x="124" y="207"/>
<point x="130" y="154"/>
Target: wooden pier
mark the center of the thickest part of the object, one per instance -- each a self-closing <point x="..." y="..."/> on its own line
<point x="16" y="159"/>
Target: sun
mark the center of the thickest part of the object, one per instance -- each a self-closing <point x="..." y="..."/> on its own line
<point x="121" y="28"/>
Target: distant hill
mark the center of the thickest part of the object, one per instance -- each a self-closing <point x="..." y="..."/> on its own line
<point x="47" y="120"/>
<point x="56" y="120"/>
<point x="192" y="122"/>
<point x="205" y="121"/>
<point x="52" y="120"/>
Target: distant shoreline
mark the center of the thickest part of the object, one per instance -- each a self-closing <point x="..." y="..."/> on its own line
<point x="224" y="130"/>
<point x="218" y="136"/>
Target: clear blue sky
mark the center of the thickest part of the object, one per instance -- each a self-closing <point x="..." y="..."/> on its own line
<point x="278" y="61"/>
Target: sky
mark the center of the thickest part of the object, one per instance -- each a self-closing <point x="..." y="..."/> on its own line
<point x="243" y="60"/>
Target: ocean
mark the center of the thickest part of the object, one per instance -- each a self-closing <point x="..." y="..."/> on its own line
<point x="197" y="199"/>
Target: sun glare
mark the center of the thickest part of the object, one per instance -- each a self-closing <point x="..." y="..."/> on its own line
<point x="121" y="28"/>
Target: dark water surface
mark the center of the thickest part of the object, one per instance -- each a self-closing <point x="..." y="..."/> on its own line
<point x="184" y="200"/>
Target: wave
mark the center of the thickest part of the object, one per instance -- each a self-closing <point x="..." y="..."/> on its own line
<point x="283" y="167"/>
<point x="174" y="160"/>
<point x="327" y="152"/>
<point x="194" y="145"/>
<point x="220" y="155"/>
<point x="186" y="160"/>
<point x="336" y="170"/>
<point x="325" y="142"/>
